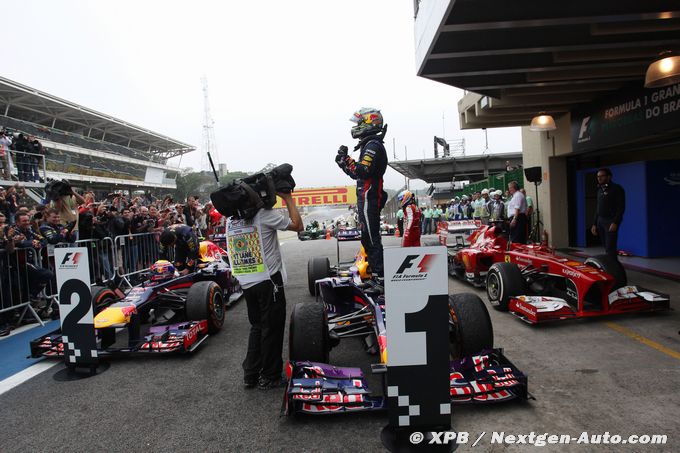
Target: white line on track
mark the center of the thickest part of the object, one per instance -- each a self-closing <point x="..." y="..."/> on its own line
<point x="24" y="375"/>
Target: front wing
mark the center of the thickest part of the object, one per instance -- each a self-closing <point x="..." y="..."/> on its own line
<point x="628" y="299"/>
<point x="319" y="388"/>
<point x="163" y="339"/>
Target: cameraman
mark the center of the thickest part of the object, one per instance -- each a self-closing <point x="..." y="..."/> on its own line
<point x="263" y="287"/>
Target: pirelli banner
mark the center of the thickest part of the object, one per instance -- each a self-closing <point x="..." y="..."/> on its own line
<point x="322" y="196"/>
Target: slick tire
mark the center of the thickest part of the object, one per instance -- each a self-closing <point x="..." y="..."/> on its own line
<point x="308" y="337"/>
<point x="317" y="268"/>
<point x="102" y="297"/>
<point x="611" y="266"/>
<point x="206" y="301"/>
<point x="470" y="328"/>
<point x="503" y="281"/>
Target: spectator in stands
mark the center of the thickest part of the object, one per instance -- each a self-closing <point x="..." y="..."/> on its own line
<point x="23" y="199"/>
<point x="21" y="147"/>
<point x="155" y="215"/>
<point x="5" y="157"/>
<point x="35" y="160"/>
<point x="11" y="199"/>
<point x="189" y="210"/>
<point x="4" y="204"/>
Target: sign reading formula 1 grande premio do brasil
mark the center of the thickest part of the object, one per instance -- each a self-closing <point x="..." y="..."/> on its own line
<point x="322" y="196"/>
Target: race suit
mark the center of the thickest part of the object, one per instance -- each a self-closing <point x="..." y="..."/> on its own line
<point x="368" y="171"/>
<point x="411" y="226"/>
<point x="186" y="247"/>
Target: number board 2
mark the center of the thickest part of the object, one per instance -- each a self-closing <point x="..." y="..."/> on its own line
<point x="75" y="306"/>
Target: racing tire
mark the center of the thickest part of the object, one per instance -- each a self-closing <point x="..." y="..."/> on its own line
<point x="470" y="328"/>
<point x="205" y="300"/>
<point x="503" y="281"/>
<point x="308" y="337"/>
<point x="102" y="297"/>
<point x="317" y="268"/>
<point x="611" y="266"/>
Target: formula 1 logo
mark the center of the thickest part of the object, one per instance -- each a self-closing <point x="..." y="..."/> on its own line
<point x="70" y="260"/>
<point x="410" y="271"/>
<point x="584" y="134"/>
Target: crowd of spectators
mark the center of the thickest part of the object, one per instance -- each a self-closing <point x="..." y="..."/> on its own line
<point x="485" y="205"/>
<point x="23" y="152"/>
<point x="33" y="227"/>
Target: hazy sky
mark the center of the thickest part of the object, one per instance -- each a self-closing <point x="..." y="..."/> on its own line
<point x="284" y="76"/>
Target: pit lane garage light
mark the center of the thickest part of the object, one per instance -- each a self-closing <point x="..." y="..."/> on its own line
<point x="664" y="71"/>
<point x="542" y="122"/>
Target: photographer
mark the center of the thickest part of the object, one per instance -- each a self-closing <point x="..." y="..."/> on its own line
<point x="5" y="157"/>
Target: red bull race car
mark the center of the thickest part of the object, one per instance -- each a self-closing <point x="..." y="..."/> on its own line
<point x="350" y="307"/>
<point x="167" y="313"/>
<point x="536" y="285"/>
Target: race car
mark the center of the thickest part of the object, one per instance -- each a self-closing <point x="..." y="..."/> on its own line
<point x="454" y="233"/>
<point x="167" y="313"/>
<point x="352" y="307"/>
<point x="386" y="229"/>
<point x="535" y="284"/>
<point x="312" y="231"/>
<point x="348" y="234"/>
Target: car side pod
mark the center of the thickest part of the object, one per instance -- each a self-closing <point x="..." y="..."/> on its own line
<point x="319" y="388"/>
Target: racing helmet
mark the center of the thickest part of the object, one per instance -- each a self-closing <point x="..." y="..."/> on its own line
<point x="368" y="121"/>
<point x="405" y="197"/>
<point x="162" y="271"/>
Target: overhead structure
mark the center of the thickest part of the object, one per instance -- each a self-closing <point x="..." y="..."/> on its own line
<point x="24" y="103"/>
<point x="523" y="57"/>
<point x="471" y="168"/>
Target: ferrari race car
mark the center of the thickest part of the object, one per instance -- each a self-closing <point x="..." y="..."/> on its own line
<point x="352" y="307"/>
<point x="535" y="284"/>
<point x="177" y="313"/>
<point x="386" y="229"/>
<point x="312" y="231"/>
<point x="454" y="233"/>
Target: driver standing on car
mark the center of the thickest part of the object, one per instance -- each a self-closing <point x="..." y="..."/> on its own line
<point x="186" y="247"/>
<point x="368" y="171"/>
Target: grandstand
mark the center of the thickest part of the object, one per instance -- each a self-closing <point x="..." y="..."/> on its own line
<point x="91" y="149"/>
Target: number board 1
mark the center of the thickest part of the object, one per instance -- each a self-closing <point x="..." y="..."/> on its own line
<point x="75" y="306"/>
<point x="417" y="314"/>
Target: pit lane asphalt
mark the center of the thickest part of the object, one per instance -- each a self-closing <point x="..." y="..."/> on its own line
<point x="585" y="377"/>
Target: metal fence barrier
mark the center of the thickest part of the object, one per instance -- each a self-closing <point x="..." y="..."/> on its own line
<point x="135" y="253"/>
<point x="22" y="283"/>
<point x="28" y="276"/>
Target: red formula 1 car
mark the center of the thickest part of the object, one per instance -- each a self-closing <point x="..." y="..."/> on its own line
<point x="535" y="284"/>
